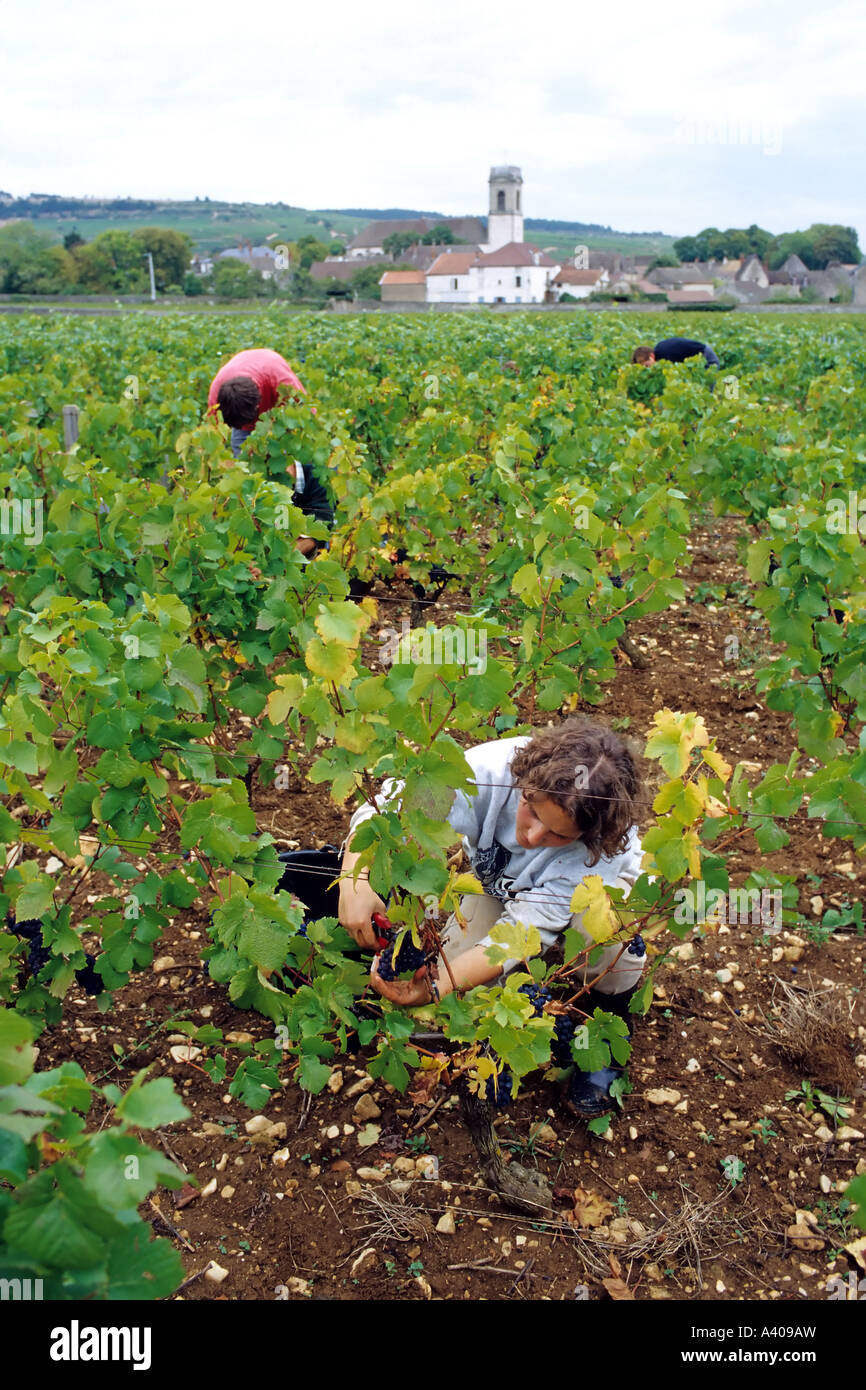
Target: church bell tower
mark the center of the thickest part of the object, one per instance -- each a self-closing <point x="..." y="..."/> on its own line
<point x="505" y="216"/>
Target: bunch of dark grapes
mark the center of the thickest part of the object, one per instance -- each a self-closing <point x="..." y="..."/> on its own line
<point x="90" y="982"/>
<point x="29" y="930"/>
<point x="498" y="1089"/>
<point x="409" y="957"/>
<point x="616" y="581"/>
<point x="637" y="946"/>
<point x="560" y="1048"/>
<point x="39" y="955"/>
<point x="538" y="996"/>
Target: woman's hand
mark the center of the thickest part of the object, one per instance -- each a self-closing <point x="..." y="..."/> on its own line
<point x="406" y="993"/>
<point x="358" y="902"/>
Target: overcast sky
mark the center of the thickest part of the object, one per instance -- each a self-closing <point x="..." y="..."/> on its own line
<point x="643" y="117"/>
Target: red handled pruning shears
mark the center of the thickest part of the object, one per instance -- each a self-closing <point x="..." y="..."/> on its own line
<point x="384" y="930"/>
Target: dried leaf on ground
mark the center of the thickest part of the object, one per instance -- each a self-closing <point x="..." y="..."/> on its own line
<point x="590" y="1208"/>
<point x="618" y="1290"/>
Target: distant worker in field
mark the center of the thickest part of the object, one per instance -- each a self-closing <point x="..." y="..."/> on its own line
<point x="674" y="350"/>
<point x="247" y="387"/>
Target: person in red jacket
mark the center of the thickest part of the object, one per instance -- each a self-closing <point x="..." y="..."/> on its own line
<point x="247" y="387"/>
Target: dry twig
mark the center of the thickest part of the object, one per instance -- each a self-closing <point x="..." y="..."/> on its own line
<point x="392" y="1218"/>
<point x="695" y="1231"/>
<point x="305" y="1111"/>
<point x="810" y="1030"/>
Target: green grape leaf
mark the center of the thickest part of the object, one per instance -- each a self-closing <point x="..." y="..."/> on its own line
<point x="151" y="1103"/>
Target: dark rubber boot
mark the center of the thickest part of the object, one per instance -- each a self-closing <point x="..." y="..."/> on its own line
<point x="588" y="1093"/>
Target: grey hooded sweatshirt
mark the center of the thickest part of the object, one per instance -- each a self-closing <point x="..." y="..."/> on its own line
<point x="534" y="885"/>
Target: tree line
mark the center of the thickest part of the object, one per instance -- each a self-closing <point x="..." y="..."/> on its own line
<point x="115" y="262"/>
<point x="819" y="245"/>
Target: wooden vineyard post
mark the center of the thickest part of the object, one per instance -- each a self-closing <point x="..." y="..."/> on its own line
<point x="70" y="427"/>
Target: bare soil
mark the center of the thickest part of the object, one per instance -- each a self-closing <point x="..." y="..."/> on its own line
<point x="669" y="1224"/>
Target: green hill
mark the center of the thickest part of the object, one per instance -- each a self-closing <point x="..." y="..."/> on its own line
<point x="215" y="226"/>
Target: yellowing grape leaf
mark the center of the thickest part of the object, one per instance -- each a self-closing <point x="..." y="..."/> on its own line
<point x="341" y="622"/>
<point x="685" y="799"/>
<point x="514" y="941"/>
<point x="667" y="796"/>
<point x="466" y="883"/>
<point x="331" y="660"/>
<point x="354" y="734"/>
<point x="527" y="585"/>
<point x="673" y="737"/>
<point x="280" y="701"/>
<point x="691" y="845"/>
<point x="590" y="899"/>
<point x="715" y="760"/>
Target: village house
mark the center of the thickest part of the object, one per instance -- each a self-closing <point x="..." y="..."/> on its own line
<point x="404" y="287"/>
<point x="449" y="279"/>
<point x="342" y="270"/>
<point x="517" y="273"/>
<point x="690" y="297"/>
<point x="726" y="269"/>
<point x="370" y="241"/>
<point x="627" y="268"/>
<point x="694" y="278"/>
<point x="579" y="284"/>
<point x="260" y="258"/>
<point x="796" y="271"/>
<point x="753" y="272"/>
<point x="611" y="261"/>
<point x="646" y="287"/>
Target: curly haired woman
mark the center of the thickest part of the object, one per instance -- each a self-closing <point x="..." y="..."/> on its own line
<point x="548" y="810"/>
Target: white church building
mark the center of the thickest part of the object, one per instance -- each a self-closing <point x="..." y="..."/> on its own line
<point x="502" y="270"/>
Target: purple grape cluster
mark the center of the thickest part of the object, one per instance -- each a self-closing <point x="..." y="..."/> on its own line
<point x="538" y="996"/>
<point x="560" y="1047"/>
<point x="637" y="946"/>
<point x="616" y="581"/>
<point x="498" y="1089"/>
<point x="39" y="955"/>
<point x="409" y="957"/>
<point x="90" y="982"/>
<point x="29" y="930"/>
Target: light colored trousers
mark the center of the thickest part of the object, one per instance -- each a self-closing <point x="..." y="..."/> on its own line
<point x="482" y="912"/>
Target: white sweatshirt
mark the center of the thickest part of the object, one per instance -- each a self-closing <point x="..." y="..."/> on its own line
<point x="535" y="885"/>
